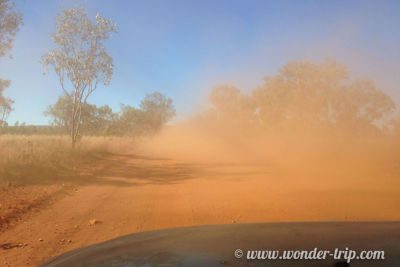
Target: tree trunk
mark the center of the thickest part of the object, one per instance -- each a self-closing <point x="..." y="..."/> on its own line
<point x="73" y="141"/>
<point x="76" y="120"/>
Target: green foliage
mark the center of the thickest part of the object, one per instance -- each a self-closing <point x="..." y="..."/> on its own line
<point x="154" y="112"/>
<point x="80" y="60"/>
<point x="10" y="20"/>
<point x="94" y="120"/>
<point x="5" y="103"/>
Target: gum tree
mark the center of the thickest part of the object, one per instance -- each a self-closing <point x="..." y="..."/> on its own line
<point x="80" y="59"/>
<point x="5" y="103"/>
<point x="321" y="95"/>
<point x="10" y="21"/>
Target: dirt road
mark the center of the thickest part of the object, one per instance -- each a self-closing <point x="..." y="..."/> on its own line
<point x="127" y="194"/>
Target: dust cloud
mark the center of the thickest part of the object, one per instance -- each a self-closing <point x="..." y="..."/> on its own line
<point x="310" y="123"/>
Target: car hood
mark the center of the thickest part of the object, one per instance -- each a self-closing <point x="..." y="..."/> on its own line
<point x="216" y="245"/>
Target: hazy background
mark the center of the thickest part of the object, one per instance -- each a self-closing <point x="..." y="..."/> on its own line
<point x="184" y="48"/>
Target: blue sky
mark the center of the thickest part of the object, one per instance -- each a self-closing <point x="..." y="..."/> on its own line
<point x="184" y="48"/>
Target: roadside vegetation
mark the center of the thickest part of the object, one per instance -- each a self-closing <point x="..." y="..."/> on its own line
<point x="31" y="154"/>
<point x="45" y="159"/>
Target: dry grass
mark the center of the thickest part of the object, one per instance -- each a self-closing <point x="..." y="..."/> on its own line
<point x="35" y="159"/>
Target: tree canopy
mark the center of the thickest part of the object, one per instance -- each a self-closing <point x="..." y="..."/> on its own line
<point x="80" y="58"/>
<point x="154" y="112"/>
<point x="306" y="95"/>
<point x="5" y="103"/>
<point x="10" y="21"/>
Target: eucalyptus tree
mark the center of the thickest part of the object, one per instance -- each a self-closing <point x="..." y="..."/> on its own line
<point x="5" y="103"/>
<point x="321" y="95"/>
<point x="10" y="21"/>
<point x="80" y="59"/>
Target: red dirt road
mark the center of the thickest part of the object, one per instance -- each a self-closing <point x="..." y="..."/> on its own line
<point x="129" y="194"/>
